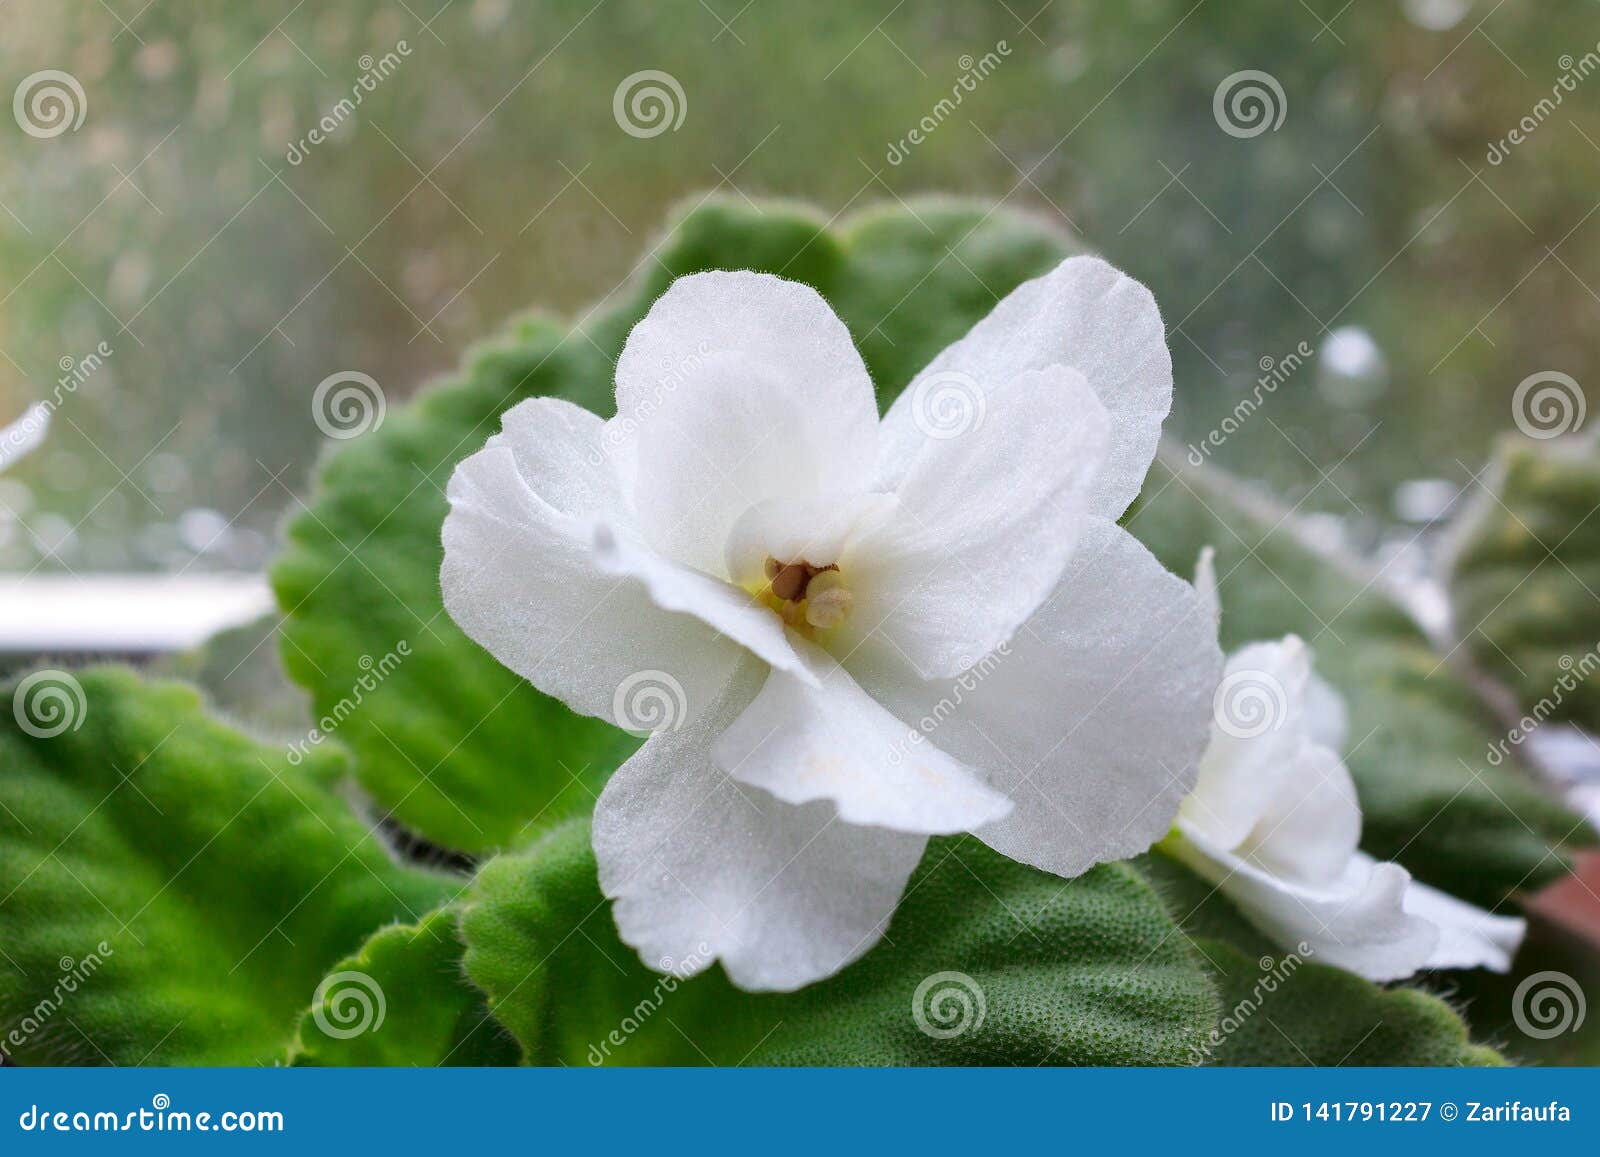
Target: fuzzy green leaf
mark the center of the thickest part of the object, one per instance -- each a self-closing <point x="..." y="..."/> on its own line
<point x="1084" y="971"/>
<point x="403" y="1000"/>
<point x="208" y="881"/>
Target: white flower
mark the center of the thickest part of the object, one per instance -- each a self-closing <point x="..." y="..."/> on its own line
<point x="856" y="633"/>
<point x="1274" y="822"/>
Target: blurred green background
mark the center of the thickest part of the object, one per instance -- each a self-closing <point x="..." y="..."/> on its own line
<point x="486" y="173"/>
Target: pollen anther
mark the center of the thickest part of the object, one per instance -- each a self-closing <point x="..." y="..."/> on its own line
<point x="827" y="601"/>
<point x="807" y="595"/>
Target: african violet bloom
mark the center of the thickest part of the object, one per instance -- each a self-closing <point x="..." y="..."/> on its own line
<point x="783" y="584"/>
<point x="1274" y="822"/>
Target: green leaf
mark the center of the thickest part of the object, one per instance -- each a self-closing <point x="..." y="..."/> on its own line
<point x="1317" y="1015"/>
<point x="1525" y="575"/>
<point x="1283" y="1008"/>
<point x="1418" y="733"/>
<point x="1084" y="971"/>
<point x="209" y="881"/>
<point x="918" y="277"/>
<point x="403" y="1000"/>
<point x="451" y="743"/>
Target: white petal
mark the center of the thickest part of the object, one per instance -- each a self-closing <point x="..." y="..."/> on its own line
<point x="734" y="389"/>
<point x="986" y="520"/>
<point x="728" y="609"/>
<point x="1258" y="725"/>
<point x="520" y="575"/>
<point x="1327" y="719"/>
<point x="832" y="741"/>
<point x="1469" y="937"/>
<point x="560" y="454"/>
<point x="1091" y="719"/>
<point x="1312" y="823"/>
<point x="1357" y="921"/>
<point x="783" y="327"/>
<point x="1083" y="314"/>
<point x="703" y="867"/>
<point x="814" y="530"/>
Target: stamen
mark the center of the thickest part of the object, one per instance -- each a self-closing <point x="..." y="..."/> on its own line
<point x="827" y="601"/>
<point x="806" y="595"/>
<point x="790" y="581"/>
